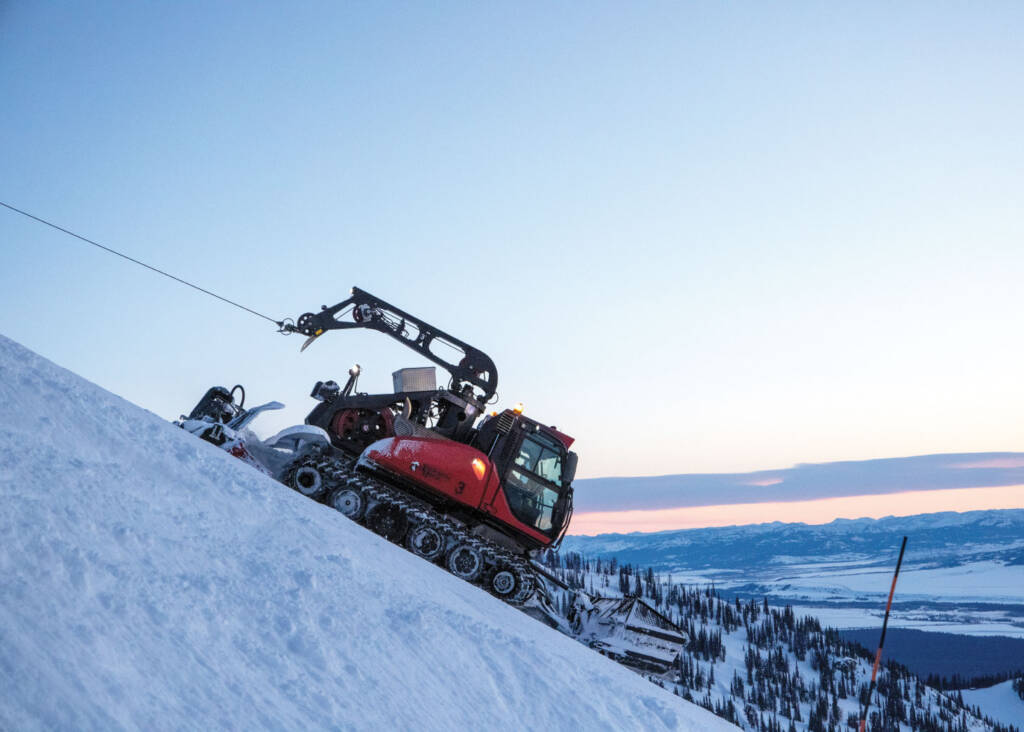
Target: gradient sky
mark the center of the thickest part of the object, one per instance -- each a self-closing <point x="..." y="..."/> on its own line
<point x="815" y="493"/>
<point x="817" y="511"/>
<point x="699" y="237"/>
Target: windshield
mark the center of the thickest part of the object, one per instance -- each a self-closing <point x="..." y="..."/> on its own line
<point x="534" y="483"/>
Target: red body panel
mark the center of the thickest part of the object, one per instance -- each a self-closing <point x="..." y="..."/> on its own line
<point x="562" y="437"/>
<point x="445" y="468"/>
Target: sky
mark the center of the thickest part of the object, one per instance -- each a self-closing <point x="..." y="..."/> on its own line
<point x="700" y="238"/>
<point x="813" y="493"/>
<point x="815" y="511"/>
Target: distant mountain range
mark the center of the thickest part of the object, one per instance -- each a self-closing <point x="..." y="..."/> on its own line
<point x="963" y="572"/>
<point x="938" y="539"/>
<point x="803" y="482"/>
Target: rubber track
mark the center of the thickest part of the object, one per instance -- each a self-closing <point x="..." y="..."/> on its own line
<point x="338" y="473"/>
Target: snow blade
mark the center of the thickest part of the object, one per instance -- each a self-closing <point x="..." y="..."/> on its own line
<point x="629" y="631"/>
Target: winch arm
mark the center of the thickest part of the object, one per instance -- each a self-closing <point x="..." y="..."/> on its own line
<point x="475" y="369"/>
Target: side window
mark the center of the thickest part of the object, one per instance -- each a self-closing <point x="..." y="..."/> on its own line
<point x="549" y="467"/>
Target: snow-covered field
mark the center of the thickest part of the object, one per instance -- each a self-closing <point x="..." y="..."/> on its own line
<point x="149" y="580"/>
<point x="990" y="581"/>
<point x="944" y="620"/>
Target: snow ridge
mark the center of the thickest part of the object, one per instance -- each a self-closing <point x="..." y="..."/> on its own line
<point x="149" y="580"/>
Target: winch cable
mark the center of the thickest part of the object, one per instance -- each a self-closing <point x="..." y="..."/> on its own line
<point x="279" y="323"/>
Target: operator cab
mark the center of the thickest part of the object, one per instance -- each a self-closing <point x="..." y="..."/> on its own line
<point x="536" y="468"/>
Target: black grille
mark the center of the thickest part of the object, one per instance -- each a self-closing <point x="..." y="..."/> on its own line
<point x="505" y="422"/>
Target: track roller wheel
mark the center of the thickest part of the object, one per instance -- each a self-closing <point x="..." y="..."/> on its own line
<point x="466" y="562"/>
<point x="308" y="481"/>
<point x="504" y="583"/>
<point x="525" y="585"/>
<point x="389" y="521"/>
<point x="426" y="541"/>
<point x="348" y="501"/>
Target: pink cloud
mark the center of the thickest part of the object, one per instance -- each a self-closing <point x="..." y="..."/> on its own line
<point x="818" y="511"/>
<point x="764" y="481"/>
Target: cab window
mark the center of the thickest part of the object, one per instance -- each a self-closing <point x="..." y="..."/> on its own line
<point x="533" y="483"/>
<point x="542" y="456"/>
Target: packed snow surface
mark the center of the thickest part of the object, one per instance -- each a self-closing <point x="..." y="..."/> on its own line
<point x="149" y="580"/>
<point x="1000" y="702"/>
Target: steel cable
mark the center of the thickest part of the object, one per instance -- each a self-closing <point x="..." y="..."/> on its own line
<point x="278" y="323"/>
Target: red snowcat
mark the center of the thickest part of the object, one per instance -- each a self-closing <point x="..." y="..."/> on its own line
<point x="423" y="466"/>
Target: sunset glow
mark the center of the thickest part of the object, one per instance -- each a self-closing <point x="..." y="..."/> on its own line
<point x="817" y="511"/>
<point x="992" y="463"/>
<point x="764" y="482"/>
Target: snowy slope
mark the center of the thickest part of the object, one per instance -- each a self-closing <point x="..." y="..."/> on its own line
<point x="1000" y="702"/>
<point x="149" y="580"/>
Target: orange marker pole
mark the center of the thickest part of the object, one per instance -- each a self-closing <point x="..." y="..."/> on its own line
<point x="881" y="641"/>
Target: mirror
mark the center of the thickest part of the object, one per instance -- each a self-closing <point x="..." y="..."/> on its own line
<point x="569" y="472"/>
